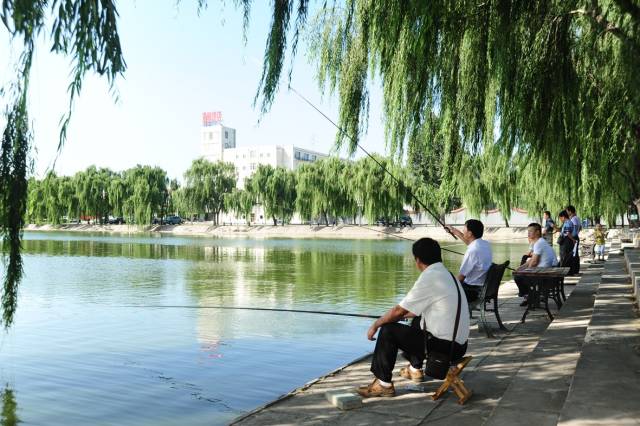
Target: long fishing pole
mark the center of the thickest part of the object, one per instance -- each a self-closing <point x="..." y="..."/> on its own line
<point x="405" y="238"/>
<point x="376" y="161"/>
<point x="248" y="308"/>
<point x="387" y="172"/>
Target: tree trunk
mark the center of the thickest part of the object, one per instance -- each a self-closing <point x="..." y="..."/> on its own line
<point x="275" y="221"/>
<point x="636" y="203"/>
<point x="506" y="222"/>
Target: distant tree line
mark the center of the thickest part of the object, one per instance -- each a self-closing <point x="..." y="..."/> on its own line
<point x="319" y="191"/>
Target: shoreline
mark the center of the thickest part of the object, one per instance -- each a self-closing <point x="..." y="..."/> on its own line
<point x="496" y="234"/>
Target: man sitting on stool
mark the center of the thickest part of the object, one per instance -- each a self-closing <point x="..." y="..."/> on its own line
<point x="542" y="256"/>
<point x="477" y="259"/>
<point x="433" y="303"/>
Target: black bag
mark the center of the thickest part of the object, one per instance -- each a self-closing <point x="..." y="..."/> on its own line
<point x="561" y="239"/>
<point x="438" y="363"/>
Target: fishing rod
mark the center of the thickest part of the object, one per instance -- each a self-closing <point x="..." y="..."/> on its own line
<point x="376" y="161"/>
<point x="248" y="308"/>
<point x="404" y="238"/>
<point x="387" y="172"/>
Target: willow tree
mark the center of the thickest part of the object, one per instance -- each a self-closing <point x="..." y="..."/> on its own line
<point x="275" y="189"/>
<point x="381" y="195"/>
<point x="553" y="82"/>
<point x="241" y="202"/>
<point x="322" y="191"/>
<point x="146" y="187"/>
<point x="206" y="184"/>
<point x="539" y="87"/>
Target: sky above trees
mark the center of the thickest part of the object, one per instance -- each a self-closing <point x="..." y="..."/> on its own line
<point x="179" y="65"/>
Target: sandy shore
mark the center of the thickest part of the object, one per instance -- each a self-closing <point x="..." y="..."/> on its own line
<point x="289" y="231"/>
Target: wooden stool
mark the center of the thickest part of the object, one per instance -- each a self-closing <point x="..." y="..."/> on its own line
<point x="455" y="382"/>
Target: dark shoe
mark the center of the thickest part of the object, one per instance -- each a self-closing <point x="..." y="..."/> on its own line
<point x="375" y="389"/>
<point x="525" y="302"/>
<point x="417" y="375"/>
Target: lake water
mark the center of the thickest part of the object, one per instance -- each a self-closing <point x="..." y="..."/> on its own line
<point x="95" y="342"/>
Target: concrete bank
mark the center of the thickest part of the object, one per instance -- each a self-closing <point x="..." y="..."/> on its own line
<point x="496" y="363"/>
<point x="502" y="234"/>
<point x="583" y="368"/>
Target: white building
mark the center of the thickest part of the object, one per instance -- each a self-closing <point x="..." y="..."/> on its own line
<point x="219" y="144"/>
<point x="216" y="138"/>
<point x="248" y="158"/>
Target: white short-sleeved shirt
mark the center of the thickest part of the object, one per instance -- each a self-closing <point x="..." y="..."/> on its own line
<point x="476" y="262"/>
<point x="547" y="256"/>
<point x="434" y="296"/>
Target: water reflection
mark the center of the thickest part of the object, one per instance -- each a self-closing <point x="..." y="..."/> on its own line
<point x="86" y="308"/>
<point x="9" y="417"/>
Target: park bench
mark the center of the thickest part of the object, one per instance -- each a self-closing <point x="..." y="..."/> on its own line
<point x="489" y="293"/>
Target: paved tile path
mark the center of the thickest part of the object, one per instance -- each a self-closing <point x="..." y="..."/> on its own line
<point x="536" y="374"/>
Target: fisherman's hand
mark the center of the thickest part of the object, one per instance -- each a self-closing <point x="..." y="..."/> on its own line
<point x="372" y="331"/>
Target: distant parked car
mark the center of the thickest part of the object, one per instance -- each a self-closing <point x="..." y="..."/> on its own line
<point x="116" y="221"/>
<point x="404" y="221"/>
<point x="172" y="220"/>
<point x="382" y="222"/>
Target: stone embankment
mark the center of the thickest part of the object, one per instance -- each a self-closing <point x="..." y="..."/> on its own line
<point x="582" y="368"/>
<point x="501" y="234"/>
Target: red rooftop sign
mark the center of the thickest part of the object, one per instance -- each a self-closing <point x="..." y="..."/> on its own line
<point x="211" y="118"/>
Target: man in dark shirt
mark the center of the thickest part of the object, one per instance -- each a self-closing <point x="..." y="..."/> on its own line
<point x="548" y="226"/>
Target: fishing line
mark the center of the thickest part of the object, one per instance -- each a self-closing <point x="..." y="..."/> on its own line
<point x="400" y="185"/>
<point x="248" y="308"/>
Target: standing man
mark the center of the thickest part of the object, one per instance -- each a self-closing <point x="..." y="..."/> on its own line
<point x="477" y="259"/>
<point x="548" y="226"/>
<point x="433" y="302"/>
<point x="542" y="256"/>
<point x="565" y="239"/>
<point x="577" y="226"/>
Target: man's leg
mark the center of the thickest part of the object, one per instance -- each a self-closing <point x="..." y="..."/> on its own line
<point x="471" y="291"/>
<point x="392" y="337"/>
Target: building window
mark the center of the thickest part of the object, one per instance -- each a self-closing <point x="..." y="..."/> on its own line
<point x="226" y="134"/>
<point x="297" y="155"/>
<point x="313" y="158"/>
<point x="210" y="136"/>
<point x="260" y="155"/>
<point x="306" y="156"/>
<point x="253" y="166"/>
<point x="252" y="154"/>
<point x="244" y="155"/>
<point x="268" y="154"/>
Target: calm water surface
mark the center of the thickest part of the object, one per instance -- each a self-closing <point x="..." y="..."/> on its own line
<point x="91" y="346"/>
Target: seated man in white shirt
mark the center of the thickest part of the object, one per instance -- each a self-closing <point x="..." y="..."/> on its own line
<point x="477" y="259"/>
<point x="433" y="303"/>
<point x="542" y="256"/>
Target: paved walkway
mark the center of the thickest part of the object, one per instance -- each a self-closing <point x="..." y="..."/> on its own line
<point x="606" y="385"/>
<point x="495" y="363"/>
<point x="584" y="368"/>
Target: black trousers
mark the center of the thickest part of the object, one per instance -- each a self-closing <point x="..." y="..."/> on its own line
<point x="411" y="340"/>
<point x="523" y="288"/>
<point x="471" y="291"/>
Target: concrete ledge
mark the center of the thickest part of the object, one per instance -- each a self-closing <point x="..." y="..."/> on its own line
<point x="541" y="385"/>
<point x="604" y="389"/>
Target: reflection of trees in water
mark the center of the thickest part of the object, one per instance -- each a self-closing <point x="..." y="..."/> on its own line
<point x="9" y="408"/>
<point x="285" y="277"/>
<point x="120" y="249"/>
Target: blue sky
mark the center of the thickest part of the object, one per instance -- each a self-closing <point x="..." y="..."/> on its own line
<point x="179" y="65"/>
